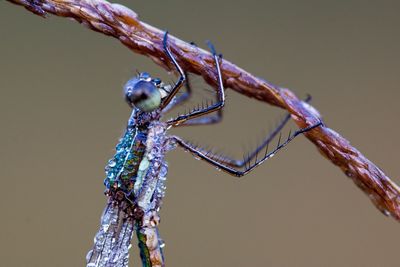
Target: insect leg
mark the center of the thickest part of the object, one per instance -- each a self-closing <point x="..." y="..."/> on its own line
<point x="208" y="157"/>
<point x="178" y="100"/>
<point x="264" y="144"/>
<point x="181" y="79"/>
<point x="204" y="120"/>
<point x="251" y="155"/>
<point x="205" y="109"/>
<point x="196" y="121"/>
<point x="182" y="98"/>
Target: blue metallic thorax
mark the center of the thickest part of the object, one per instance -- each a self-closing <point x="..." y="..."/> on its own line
<point x="122" y="168"/>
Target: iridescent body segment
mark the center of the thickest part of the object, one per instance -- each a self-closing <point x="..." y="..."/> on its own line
<point x="121" y="171"/>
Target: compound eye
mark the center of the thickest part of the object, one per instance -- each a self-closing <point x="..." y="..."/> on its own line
<point x="142" y="94"/>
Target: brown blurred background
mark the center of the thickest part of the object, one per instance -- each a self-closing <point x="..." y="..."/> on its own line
<point x="62" y="111"/>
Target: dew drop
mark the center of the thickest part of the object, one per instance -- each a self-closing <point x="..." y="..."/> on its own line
<point x="386" y="212"/>
<point x="162" y="243"/>
<point x="112" y="163"/>
<point x="105" y="227"/>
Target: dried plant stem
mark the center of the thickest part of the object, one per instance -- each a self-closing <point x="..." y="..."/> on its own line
<point x="122" y="23"/>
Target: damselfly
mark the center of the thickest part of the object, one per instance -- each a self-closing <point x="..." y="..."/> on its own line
<point x="135" y="182"/>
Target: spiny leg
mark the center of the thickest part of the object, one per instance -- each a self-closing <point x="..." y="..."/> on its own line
<point x="203" y="110"/>
<point x="196" y="121"/>
<point x="179" y="100"/>
<point x="204" y="155"/>
<point x="223" y="159"/>
<point x="204" y="120"/>
<point x="253" y="154"/>
<point x="182" y="76"/>
<point x="215" y="118"/>
<point x="182" y="98"/>
<point x="167" y="105"/>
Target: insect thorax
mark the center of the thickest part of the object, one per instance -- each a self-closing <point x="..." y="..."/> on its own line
<point x="137" y="171"/>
